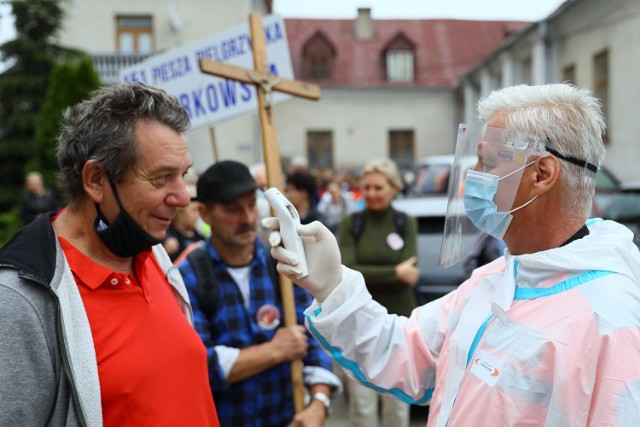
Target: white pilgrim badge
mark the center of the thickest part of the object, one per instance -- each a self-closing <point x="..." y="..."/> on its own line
<point x="395" y="242"/>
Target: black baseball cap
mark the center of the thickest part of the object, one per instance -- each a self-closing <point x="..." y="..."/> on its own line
<point x="224" y="182"/>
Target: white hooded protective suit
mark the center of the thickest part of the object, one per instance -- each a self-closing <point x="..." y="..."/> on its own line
<point x="544" y="339"/>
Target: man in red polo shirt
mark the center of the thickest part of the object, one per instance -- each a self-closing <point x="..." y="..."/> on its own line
<point x="95" y="321"/>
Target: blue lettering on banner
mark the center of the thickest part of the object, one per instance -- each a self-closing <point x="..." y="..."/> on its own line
<point x="135" y="76"/>
<point x="197" y="102"/>
<point x="170" y="70"/>
<point x="212" y="98"/>
<point x="273" y="33"/>
<point x="246" y="92"/>
<point x="228" y="90"/>
<point x="184" y="101"/>
<point x="204" y="100"/>
<point x="236" y="46"/>
<point x="210" y="52"/>
<point x="239" y="45"/>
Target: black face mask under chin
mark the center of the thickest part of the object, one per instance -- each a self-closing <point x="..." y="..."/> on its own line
<point x="124" y="237"/>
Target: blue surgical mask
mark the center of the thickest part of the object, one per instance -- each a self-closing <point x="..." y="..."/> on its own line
<point x="482" y="211"/>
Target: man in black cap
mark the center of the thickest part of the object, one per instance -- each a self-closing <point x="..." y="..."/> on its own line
<point x="237" y="310"/>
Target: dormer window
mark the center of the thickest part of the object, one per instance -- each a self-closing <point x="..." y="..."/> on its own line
<point x="319" y="54"/>
<point x="400" y="66"/>
<point x="399" y="59"/>
<point x="319" y="67"/>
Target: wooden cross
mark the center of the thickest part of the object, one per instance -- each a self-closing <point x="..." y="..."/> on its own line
<point x="265" y="84"/>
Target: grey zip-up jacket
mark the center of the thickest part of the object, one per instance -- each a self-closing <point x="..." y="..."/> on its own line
<point x="48" y="368"/>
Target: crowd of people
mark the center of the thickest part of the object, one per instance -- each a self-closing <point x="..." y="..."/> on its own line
<point x="152" y="297"/>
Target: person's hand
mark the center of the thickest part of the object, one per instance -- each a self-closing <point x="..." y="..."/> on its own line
<point x="313" y="415"/>
<point x="407" y="272"/>
<point x="290" y="343"/>
<point x="323" y="258"/>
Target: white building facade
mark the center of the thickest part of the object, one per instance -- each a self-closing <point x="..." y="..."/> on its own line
<point x="389" y="88"/>
<point x="591" y="43"/>
<point x="399" y="102"/>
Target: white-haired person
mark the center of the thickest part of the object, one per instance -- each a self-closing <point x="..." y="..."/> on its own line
<point x="549" y="333"/>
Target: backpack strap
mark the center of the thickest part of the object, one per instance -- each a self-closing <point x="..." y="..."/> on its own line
<point x="400" y="220"/>
<point x="207" y="290"/>
<point x="358" y="220"/>
<point x="357" y="225"/>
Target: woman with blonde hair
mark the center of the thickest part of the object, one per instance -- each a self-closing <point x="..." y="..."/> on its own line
<point x="381" y="243"/>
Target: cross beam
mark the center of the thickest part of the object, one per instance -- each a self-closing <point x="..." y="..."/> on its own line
<point x="233" y="72"/>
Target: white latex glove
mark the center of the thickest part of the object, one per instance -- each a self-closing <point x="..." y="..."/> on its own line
<point x="323" y="257"/>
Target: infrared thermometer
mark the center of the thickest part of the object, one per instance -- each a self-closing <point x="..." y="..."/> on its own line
<point x="289" y="222"/>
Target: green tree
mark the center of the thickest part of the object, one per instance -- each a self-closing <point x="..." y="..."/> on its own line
<point x="31" y="57"/>
<point x="69" y="83"/>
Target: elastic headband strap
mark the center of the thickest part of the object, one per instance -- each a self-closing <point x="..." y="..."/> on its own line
<point x="582" y="163"/>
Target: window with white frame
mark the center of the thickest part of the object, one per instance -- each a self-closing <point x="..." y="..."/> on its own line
<point x="134" y="34"/>
<point x="400" y="66"/>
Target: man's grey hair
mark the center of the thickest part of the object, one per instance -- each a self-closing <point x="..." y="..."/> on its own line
<point x="101" y="128"/>
<point x="565" y="118"/>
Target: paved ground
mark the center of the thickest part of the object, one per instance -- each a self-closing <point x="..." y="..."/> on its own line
<point x="340" y="416"/>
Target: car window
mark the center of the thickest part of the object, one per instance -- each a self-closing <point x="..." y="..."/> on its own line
<point x="606" y="181"/>
<point x="624" y="206"/>
<point x="432" y="179"/>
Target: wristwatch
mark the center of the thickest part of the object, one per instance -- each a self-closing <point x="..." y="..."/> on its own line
<point x="324" y="399"/>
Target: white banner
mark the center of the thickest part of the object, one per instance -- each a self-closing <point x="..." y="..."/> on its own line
<point x="208" y="99"/>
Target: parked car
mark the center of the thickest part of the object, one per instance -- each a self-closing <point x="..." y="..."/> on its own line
<point x="426" y="199"/>
<point x="607" y="187"/>
<point x="624" y="207"/>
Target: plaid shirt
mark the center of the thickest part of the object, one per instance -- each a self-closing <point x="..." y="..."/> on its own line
<point x="266" y="398"/>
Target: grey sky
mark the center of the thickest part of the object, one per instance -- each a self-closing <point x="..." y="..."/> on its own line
<point x="6" y="22"/>
<point x="527" y="10"/>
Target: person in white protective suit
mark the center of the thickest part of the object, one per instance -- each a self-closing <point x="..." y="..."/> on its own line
<point x="549" y="333"/>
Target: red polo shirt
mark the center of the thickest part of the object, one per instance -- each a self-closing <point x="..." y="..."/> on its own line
<point x="151" y="362"/>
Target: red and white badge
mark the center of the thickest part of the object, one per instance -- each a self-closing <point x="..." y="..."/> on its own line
<point x="268" y="317"/>
<point x="486" y="367"/>
<point x="395" y="242"/>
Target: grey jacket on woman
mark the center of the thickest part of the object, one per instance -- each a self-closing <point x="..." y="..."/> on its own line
<point x="48" y="367"/>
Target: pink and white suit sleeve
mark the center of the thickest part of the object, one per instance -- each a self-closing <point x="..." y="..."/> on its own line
<point x="551" y="338"/>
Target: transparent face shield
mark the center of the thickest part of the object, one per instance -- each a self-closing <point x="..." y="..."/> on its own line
<point x="485" y="177"/>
